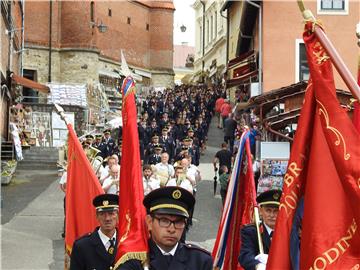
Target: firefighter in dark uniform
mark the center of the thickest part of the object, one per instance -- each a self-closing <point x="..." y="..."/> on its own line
<point x="97" y="250"/>
<point x="150" y="148"/>
<point x="249" y="258"/>
<point x="109" y="143"/>
<point x="167" y="214"/>
<point x="168" y="143"/>
<point x="155" y="158"/>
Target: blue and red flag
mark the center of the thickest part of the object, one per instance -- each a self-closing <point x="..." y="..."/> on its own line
<point x="133" y="236"/>
<point x="238" y="209"/>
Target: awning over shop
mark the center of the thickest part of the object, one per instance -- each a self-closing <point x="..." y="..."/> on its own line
<point x="30" y="84"/>
<point x="110" y="74"/>
<point x="143" y="73"/>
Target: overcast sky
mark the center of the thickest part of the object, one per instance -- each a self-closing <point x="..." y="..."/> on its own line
<point x="184" y="15"/>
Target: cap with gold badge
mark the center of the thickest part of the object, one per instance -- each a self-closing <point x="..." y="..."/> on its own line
<point x="169" y="200"/>
<point x="270" y="197"/>
<point x="106" y="202"/>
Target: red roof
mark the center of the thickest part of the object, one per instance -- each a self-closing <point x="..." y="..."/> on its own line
<point x="181" y="52"/>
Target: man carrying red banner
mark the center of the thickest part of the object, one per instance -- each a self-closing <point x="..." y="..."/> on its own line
<point x="250" y="257"/>
<point x="168" y="211"/>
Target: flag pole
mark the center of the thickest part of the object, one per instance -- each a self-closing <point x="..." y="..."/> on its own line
<point x="257" y="223"/>
<point x="60" y="111"/>
<point x="331" y="51"/>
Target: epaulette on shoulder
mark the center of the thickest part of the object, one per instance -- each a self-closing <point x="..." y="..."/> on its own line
<point x="195" y="247"/>
<point x="85" y="235"/>
<point x="248" y="225"/>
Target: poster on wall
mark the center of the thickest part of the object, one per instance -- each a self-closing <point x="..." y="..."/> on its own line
<point x="273" y="164"/>
<point x="41" y="129"/>
<point x="59" y="128"/>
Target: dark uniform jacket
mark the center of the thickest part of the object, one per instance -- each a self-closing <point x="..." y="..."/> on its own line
<point x="154" y="159"/>
<point x="187" y="257"/>
<point x="109" y="148"/>
<point x="89" y="252"/>
<point x="249" y="246"/>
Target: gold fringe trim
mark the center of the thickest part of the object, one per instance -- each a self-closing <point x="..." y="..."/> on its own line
<point x="140" y="256"/>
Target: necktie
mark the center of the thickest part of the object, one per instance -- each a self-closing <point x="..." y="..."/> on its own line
<point x="271" y="235"/>
<point x="112" y="246"/>
<point x="169" y="259"/>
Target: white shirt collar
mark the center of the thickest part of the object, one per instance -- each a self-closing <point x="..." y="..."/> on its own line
<point x="105" y="239"/>
<point x="268" y="229"/>
<point x="171" y="252"/>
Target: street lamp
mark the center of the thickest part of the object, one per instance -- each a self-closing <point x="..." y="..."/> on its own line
<point x="183" y="28"/>
<point x="102" y="27"/>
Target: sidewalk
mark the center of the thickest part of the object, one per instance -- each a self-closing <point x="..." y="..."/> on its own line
<point x="29" y="238"/>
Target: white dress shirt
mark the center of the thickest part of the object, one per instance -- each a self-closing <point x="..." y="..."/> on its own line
<point x="105" y="239"/>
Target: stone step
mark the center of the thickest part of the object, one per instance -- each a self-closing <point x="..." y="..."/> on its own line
<point x="30" y="165"/>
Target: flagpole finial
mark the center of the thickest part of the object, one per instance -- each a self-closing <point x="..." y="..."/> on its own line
<point x="60" y="111"/>
<point x="307" y="14"/>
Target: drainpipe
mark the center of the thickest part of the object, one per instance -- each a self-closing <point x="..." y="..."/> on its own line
<point x="11" y="36"/>
<point x="203" y="45"/>
<point x="23" y="40"/>
<point x="50" y="32"/>
<point x="260" y="44"/>
<point x="227" y="33"/>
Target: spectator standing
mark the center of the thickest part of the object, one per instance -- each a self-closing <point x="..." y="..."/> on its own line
<point x="230" y="125"/>
<point x="225" y="110"/>
<point x="223" y="157"/>
<point x="224" y="181"/>
<point x="218" y="104"/>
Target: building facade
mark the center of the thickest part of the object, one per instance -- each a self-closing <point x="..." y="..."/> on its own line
<point x="210" y="40"/>
<point x="11" y="33"/>
<point x="271" y="54"/>
<point x="77" y="42"/>
<point x="267" y="67"/>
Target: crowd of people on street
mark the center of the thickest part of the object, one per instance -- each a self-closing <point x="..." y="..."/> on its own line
<point x="173" y="127"/>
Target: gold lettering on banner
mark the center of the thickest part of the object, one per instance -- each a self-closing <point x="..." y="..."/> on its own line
<point x="334" y="253"/>
<point x="292" y="172"/>
<point x="339" y="137"/>
<point x="355" y="267"/>
<point x="358" y="182"/>
<point x="289" y="203"/>
<point x="320" y="53"/>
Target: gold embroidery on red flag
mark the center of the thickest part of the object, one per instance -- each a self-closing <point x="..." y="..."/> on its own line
<point x="339" y="136"/>
<point x="320" y="54"/>
<point x="128" y="220"/>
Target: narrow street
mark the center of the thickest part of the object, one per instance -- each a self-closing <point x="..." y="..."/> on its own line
<point x="32" y="214"/>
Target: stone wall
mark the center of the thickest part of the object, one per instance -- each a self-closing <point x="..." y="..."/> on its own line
<point x="162" y="79"/>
